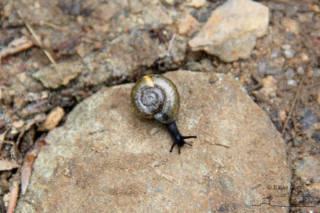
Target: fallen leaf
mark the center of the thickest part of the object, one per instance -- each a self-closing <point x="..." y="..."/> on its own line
<point x="16" y="46"/>
<point x="26" y="168"/>
<point x="8" y="165"/>
<point x="14" y="193"/>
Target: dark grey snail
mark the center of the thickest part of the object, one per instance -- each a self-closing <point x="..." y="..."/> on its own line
<point x="155" y="96"/>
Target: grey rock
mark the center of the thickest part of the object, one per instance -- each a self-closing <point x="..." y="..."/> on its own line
<point x="289" y="73"/>
<point x="316" y="72"/>
<point x="300" y="71"/>
<point x="297" y="142"/>
<point x="308" y="118"/>
<point x="104" y="158"/>
<point x="232" y="30"/>
<point x="286" y="46"/>
<point x="289" y="53"/>
<point x="292" y="82"/>
<point x="308" y="169"/>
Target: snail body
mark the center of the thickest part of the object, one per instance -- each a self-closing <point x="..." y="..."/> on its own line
<point x="156" y="96"/>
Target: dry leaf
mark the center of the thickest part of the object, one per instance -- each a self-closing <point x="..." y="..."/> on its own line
<point x="8" y="165"/>
<point x="26" y="168"/>
<point x="14" y="193"/>
<point x="16" y="46"/>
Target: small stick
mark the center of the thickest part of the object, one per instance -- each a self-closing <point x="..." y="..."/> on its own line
<point x="170" y="44"/>
<point x="218" y="144"/>
<point x="1" y="87"/>
<point x="53" y="26"/>
<point x="39" y="42"/>
<point x="293" y="104"/>
<point x="2" y="137"/>
<point x="254" y="88"/>
<point x="67" y="43"/>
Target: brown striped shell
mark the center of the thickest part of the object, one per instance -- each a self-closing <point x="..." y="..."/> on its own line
<point x="155" y="96"/>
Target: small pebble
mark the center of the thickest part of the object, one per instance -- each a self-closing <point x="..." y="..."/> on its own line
<point x="44" y="95"/>
<point x="286" y="47"/>
<point x="300" y="71"/>
<point x="282" y="114"/>
<point x="304" y="57"/>
<point x="289" y="73"/>
<point x="316" y="126"/>
<point x="289" y="36"/>
<point x="289" y="54"/>
<point x="53" y="119"/>
<point x="197" y="3"/>
<point x="316" y="72"/>
<point x="316" y="8"/>
<point x="14" y="131"/>
<point x="22" y="77"/>
<point x="297" y="142"/>
<point x="274" y="54"/>
<point x="169" y="1"/>
<point x="269" y="86"/>
<point x="262" y="68"/>
<point x="292" y="82"/>
<point x="18" y="124"/>
<point x="6" y="199"/>
<point x="309" y="74"/>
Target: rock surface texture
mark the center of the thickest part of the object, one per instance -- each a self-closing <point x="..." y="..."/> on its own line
<point x="106" y="159"/>
<point x="232" y="30"/>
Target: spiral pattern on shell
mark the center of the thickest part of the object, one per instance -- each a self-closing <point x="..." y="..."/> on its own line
<point x="155" y="96"/>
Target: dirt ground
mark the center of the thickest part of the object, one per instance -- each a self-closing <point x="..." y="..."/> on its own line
<point x="85" y="34"/>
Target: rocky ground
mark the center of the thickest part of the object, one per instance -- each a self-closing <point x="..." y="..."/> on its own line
<point x="56" y="54"/>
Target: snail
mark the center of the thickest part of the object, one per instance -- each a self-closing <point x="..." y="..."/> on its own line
<point x="155" y="96"/>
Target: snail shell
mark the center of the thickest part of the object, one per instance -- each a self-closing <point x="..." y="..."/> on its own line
<point x="156" y="97"/>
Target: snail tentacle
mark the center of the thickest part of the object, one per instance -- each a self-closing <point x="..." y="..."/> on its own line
<point x="178" y="138"/>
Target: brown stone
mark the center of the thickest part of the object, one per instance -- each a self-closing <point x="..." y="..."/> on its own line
<point x="104" y="158"/>
<point x="290" y="25"/>
<point x="188" y="25"/>
<point x="54" y="77"/>
<point x="232" y="29"/>
<point x="53" y="119"/>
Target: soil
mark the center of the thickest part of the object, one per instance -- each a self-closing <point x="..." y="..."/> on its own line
<point x="287" y="60"/>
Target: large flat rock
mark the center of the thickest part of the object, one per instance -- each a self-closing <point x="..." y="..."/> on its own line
<point x="106" y="159"/>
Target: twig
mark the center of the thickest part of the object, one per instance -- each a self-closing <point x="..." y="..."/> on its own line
<point x="293" y="104"/>
<point x="258" y="86"/>
<point x="170" y="44"/>
<point x="218" y="144"/>
<point x="68" y="42"/>
<point x="2" y="137"/>
<point x="53" y="26"/>
<point x="39" y="43"/>
<point x="1" y="87"/>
